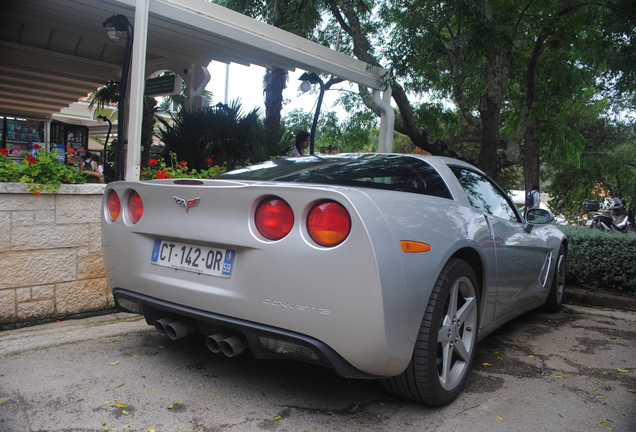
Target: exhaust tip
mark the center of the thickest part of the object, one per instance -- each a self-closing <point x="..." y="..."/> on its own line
<point x="213" y="342"/>
<point x="232" y="346"/>
<point x="178" y="329"/>
<point x="160" y="325"/>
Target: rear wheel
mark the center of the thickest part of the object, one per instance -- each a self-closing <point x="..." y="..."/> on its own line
<point x="446" y="342"/>
<point x="554" y="302"/>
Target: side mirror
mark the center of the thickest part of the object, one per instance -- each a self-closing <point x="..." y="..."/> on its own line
<point x="537" y="216"/>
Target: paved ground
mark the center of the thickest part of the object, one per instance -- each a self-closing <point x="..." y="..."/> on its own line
<point x="573" y="371"/>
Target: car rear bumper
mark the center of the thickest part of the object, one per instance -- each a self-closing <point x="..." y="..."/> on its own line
<point x="265" y="342"/>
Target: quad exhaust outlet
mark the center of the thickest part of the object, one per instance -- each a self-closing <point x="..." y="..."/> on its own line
<point x="230" y="345"/>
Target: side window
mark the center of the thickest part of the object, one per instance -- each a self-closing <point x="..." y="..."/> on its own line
<point x="484" y="195"/>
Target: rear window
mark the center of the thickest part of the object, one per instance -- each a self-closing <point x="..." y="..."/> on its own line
<point x="390" y="172"/>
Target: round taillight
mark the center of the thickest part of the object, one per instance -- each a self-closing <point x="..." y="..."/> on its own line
<point x="274" y="218"/>
<point x="135" y="207"/>
<point x="328" y="223"/>
<point x="113" y="205"/>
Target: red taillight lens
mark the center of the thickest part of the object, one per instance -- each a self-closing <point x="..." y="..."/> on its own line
<point x="113" y="205"/>
<point x="135" y="207"/>
<point x="274" y="218"/>
<point x="329" y="223"/>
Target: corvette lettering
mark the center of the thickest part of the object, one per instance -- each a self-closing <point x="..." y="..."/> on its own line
<point x="186" y="203"/>
<point x="298" y="307"/>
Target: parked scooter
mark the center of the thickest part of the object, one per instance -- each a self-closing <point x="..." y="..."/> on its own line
<point x="604" y="221"/>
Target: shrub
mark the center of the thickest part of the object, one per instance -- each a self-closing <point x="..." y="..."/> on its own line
<point x="601" y="260"/>
<point x="41" y="172"/>
<point x="222" y="132"/>
<point x="159" y="169"/>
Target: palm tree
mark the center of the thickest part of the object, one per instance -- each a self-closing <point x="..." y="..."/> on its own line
<point x="222" y="132"/>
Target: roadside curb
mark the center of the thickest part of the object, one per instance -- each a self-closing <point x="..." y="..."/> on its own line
<point x="577" y="296"/>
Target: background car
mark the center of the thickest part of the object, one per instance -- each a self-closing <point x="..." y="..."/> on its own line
<point x="378" y="265"/>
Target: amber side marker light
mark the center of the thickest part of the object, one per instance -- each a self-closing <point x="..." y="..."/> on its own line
<point x="409" y="246"/>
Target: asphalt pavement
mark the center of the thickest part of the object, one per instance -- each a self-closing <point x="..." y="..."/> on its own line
<point x="571" y="371"/>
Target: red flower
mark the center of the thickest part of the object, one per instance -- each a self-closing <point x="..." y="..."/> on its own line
<point x="30" y="159"/>
<point x="37" y="191"/>
<point x="153" y="162"/>
<point x="183" y="163"/>
<point x="162" y="174"/>
<point x="37" y="146"/>
<point x="210" y="160"/>
<point x="4" y="151"/>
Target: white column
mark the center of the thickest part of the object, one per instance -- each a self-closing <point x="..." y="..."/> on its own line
<point x="137" y="86"/>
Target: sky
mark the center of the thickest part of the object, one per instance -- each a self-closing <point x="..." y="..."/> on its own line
<point x="246" y="83"/>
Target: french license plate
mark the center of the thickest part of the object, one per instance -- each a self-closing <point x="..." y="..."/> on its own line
<point x="198" y="259"/>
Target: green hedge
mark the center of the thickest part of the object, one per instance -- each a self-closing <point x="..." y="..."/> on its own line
<point x="600" y="260"/>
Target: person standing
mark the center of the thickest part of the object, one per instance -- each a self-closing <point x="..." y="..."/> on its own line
<point x="533" y="200"/>
<point x="302" y="142"/>
<point x="89" y="164"/>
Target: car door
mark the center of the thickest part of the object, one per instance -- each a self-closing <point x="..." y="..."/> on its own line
<point x="521" y="258"/>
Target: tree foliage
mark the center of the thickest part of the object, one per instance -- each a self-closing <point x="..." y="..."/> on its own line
<point x="521" y="81"/>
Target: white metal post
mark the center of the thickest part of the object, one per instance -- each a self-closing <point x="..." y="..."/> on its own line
<point x="137" y="87"/>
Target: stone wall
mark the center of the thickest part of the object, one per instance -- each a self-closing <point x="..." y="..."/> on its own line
<point x="50" y="253"/>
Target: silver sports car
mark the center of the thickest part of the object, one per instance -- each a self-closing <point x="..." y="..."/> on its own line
<point x="377" y="265"/>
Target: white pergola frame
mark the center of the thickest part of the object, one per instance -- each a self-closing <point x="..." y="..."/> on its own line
<point x="56" y="51"/>
<point x="214" y="18"/>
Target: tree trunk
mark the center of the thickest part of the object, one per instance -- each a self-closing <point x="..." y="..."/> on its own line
<point x="531" y="157"/>
<point x="147" y="128"/>
<point x="490" y="110"/>
<point x="274" y="82"/>
<point x="489" y="113"/>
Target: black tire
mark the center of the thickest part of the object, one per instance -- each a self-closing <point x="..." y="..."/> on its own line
<point x="444" y="349"/>
<point x="554" y="302"/>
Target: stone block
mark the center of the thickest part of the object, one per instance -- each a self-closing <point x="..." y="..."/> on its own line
<point x="35" y="309"/>
<point x="90" y="265"/>
<point x="43" y="292"/>
<point x="23" y="294"/>
<point x="5" y="230"/>
<point x="22" y="218"/>
<point x="94" y="237"/>
<point x="28" y="201"/>
<point x="48" y="237"/>
<point x="78" y="209"/>
<point x="45" y="217"/>
<point x="39" y="267"/>
<point x="81" y="296"/>
<point x="7" y="306"/>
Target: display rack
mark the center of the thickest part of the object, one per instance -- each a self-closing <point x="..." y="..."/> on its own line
<point x="19" y="136"/>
